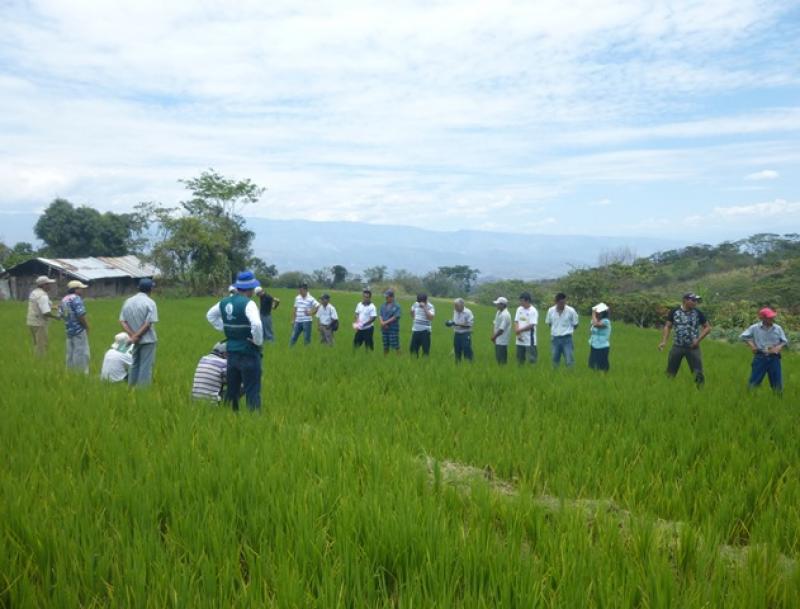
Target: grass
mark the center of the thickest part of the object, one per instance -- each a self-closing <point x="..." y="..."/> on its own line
<point x="112" y="498"/>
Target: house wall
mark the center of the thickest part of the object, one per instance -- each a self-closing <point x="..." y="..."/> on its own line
<point x="22" y="285"/>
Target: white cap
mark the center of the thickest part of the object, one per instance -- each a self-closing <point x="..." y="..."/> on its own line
<point x="75" y="284"/>
<point x="600" y="307"/>
<point x="501" y="300"/>
<point x="259" y="290"/>
<point x="44" y="280"/>
<point x="120" y="341"/>
<point x="231" y="289"/>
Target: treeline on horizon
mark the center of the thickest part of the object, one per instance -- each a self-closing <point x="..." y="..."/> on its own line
<point x="201" y="243"/>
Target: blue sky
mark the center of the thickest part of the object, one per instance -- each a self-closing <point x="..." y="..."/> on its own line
<point x="678" y="119"/>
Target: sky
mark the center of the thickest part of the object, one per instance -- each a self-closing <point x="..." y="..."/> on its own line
<point x="676" y="119"/>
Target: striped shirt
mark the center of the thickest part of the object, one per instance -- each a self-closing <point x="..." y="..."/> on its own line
<point x="303" y="307"/>
<point x="209" y="378"/>
<point x="421" y="321"/>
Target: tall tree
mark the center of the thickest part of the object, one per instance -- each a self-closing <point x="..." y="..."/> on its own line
<point x="461" y="274"/>
<point x="339" y="274"/>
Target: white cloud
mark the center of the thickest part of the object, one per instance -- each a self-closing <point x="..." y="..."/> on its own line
<point x="766" y="174"/>
<point x="771" y="209"/>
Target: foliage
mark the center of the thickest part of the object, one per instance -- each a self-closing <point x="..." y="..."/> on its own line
<point x="76" y="232"/>
<point x="291" y="279"/>
<point x="204" y="242"/>
<point x="375" y="274"/>
<point x="20" y="252"/>
<point x="461" y="275"/>
<point x="486" y="293"/>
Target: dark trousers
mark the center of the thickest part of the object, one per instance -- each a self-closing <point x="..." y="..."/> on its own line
<point x="462" y="345"/>
<point x="244" y="369"/>
<point x="501" y="354"/>
<point x="527" y="354"/>
<point x="693" y="357"/>
<point x="420" y="338"/>
<point x="766" y="365"/>
<point x="365" y="337"/>
<point x="598" y="358"/>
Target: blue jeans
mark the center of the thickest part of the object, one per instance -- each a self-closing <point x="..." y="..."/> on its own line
<point x="562" y="345"/>
<point x="766" y="365"/>
<point x="141" y="370"/>
<point x="301" y="327"/>
<point x="244" y="369"/>
<point x="266" y="324"/>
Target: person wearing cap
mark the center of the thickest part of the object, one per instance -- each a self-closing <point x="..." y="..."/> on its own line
<point x="237" y="316"/>
<point x="73" y="311"/>
<point x="501" y="330"/>
<point x="599" y="339"/>
<point x="211" y="374"/>
<point x="40" y="312"/>
<point x="389" y="318"/>
<point x="563" y="320"/>
<point x="138" y="317"/>
<point x="691" y="327"/>
<point x="305" y="305"/>
<point x="267" y="304"/>
<point x="422" y="312"/>
<point x="327" y="320"/>
<point x="364" y="322"/>
<point x="766" y="340"/>
<point x="231" y="290"/>
<point x="526" y="320"/>
<point x="117" y="360"/>
<point x="462" y="323"/>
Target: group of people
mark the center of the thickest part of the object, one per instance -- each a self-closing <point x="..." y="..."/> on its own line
<point x="233" y="367"/>
<point x="131" y="356"/>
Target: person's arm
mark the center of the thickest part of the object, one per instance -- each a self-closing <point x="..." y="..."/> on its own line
<point x="468" y="322"/>
<point x="314" y="306"/>
<point x="294" y="313"/>
<point x="334" y="313"/>
<point x="706" y="330"/>
<point x="430" y="312"/>
<point x="574" y="319"/>
<point x="665" y="335"/>
<point x="214" y="317"/>
<point x="275" y="303"/>
<point x="499" y="331"/>
<point x="776" y="349"/>
<point x="256" y="329"/>
<point x="45" y="308"/>
<point x="747" y="338"/>
<point x="80" y="313"/>
<point x="596" y="321"/>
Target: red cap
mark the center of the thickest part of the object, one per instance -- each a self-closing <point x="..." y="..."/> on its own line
<point x="767" y="312"/>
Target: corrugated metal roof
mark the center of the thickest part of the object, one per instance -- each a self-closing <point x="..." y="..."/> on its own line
<point x="90" y="269"/>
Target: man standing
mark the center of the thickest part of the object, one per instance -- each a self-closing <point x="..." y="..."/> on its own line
<point x="238" y="317"/>
<point x="462" y="323"/>
<point x="390" y="323"/>
<point x="328" y="320"/>
<point x="422" y="313"/>
<point x="691" y="327"/>
<point x="526" y="319"/>
<point x="305" y="305"/>
<point x="268" y="304"/>
<point x="766" y="340"/>
<point x="73" y="312"/>
<point x="562" y="320"/>
<point x="138" y="316"/>
<point x="364" y="321"/>
<point x="40" y="311"/>
<point x="501" y="331"/>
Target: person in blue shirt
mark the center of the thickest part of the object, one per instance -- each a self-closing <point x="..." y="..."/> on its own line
<point x="73" y="311"/>
<point x="766" y="340"/>
<point x="599" y="342"/>
<point x="237" y="316"/>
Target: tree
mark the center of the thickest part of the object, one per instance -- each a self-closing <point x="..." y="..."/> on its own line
<point x="72" y="232"/>
<point x="375" y="274"/>
<point x="262" y="270"/>
<point x="322" y="278"/>
<point x="11" y="256"/>
<point x="339" y="274"/>
<point x="461" y="274"/>
<point x="204" y="242"/>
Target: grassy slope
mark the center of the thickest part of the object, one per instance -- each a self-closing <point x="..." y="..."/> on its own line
<point x="143" y="499"/>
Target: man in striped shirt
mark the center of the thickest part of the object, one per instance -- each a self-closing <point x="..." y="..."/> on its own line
<point x="209" y="377"/>
<point x="305" y="306"/>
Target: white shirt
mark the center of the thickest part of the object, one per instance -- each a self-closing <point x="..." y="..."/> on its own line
<point x="38" y="307"/>
<point x="502" y="321"/>
<point x="527" y="317"/>
<point x="464" y="318"/>
<point x="366" y="314"/>
<point x="214" y="317"/>
<point x="303" y="307"/>
<point x="115" y="365"/>
<point x="562" y="324"/>
<point x="421" y="321"/>
<point x="326" y="314"/>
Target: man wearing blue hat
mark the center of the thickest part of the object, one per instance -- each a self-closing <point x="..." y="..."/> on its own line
<point x="237" y="316"/>
<point x="138" y="316"/>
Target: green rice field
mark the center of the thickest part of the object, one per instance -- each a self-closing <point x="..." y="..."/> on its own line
<point x="393" y="482"/>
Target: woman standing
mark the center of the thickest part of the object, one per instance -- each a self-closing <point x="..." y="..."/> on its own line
<point x="599" y="340"/>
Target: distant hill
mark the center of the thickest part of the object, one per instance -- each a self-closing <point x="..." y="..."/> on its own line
<point x="304" y="245"/>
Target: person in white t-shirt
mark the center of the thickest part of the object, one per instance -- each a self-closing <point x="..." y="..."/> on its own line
<point x="328" y="320"/>
<point x="563" y="320"/>
<point x="462" y="323"/>
<point x="501" y="330"/>
<point x="525" y="320"/>
<point x="305" y="306"/>
<point x="363" y="322"/>
<point x="422" y="313"/>
<point x="40" y="312"/>
<point x="117" y="360"/>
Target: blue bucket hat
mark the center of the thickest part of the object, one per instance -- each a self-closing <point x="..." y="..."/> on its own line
<point x="246" y="280"/>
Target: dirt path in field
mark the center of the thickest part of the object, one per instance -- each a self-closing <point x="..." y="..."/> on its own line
<point x="668" y="532"/>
